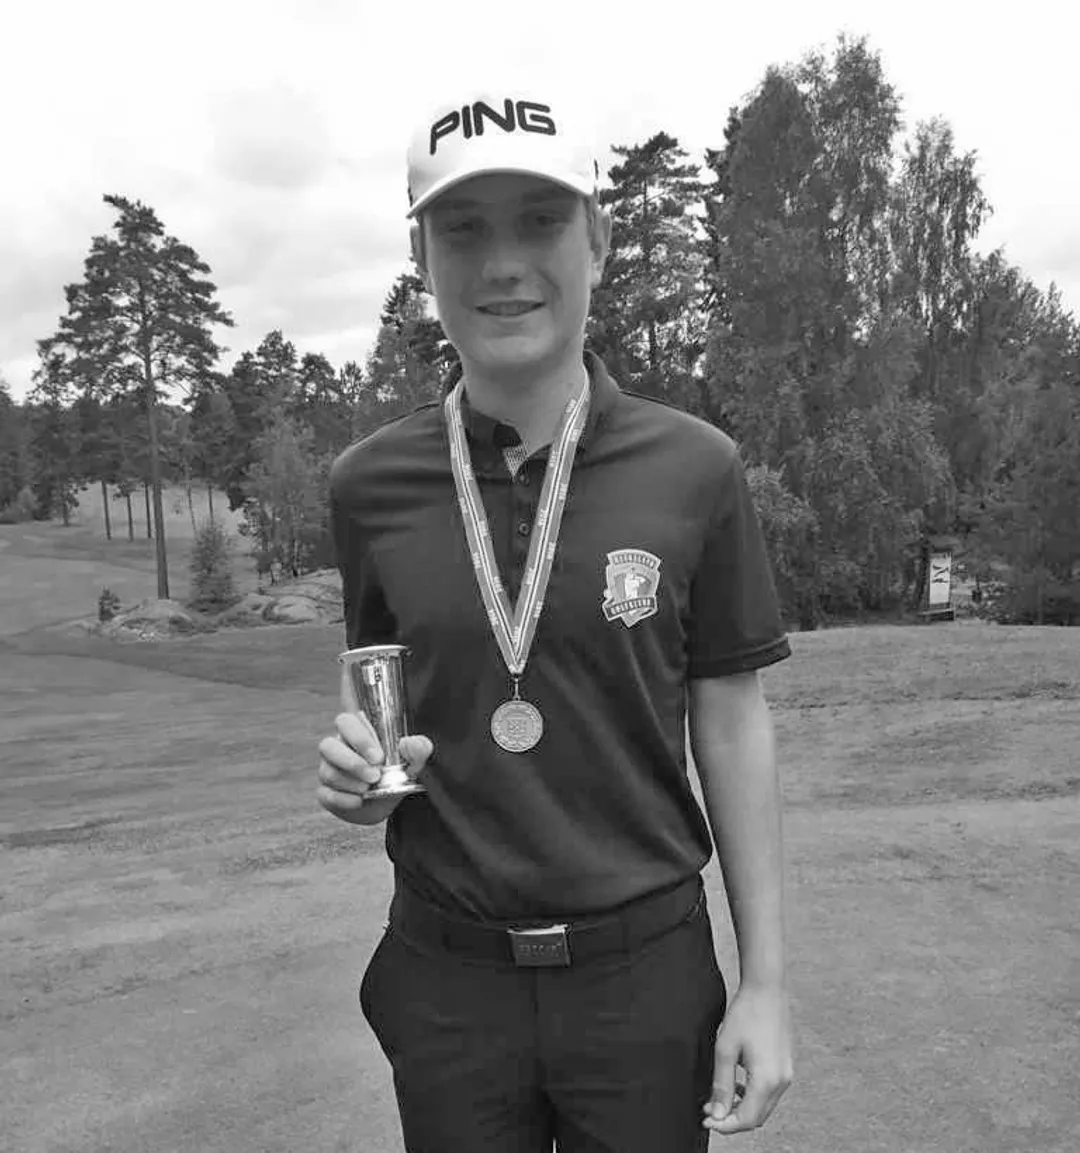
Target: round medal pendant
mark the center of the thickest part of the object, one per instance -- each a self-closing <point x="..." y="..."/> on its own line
<point x="517" y="726"/>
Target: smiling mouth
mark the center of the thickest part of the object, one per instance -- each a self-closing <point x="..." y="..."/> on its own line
<point x="509" y="308"/>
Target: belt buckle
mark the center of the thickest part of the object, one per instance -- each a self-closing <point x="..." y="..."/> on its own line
<point x="544" y="947"/>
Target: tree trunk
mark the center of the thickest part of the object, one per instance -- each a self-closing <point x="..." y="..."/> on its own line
<point x="155" y="481"/>
<point x="1038" y="599"/>
<point x="131" y="518"/>
<point x="146" y="498"/>
<point x="806" y="608"/>
<point x="105" y="506"/>
<point x="210" y="501"/>
<point x="921" y="574"/>
<point x="191" y="506"/>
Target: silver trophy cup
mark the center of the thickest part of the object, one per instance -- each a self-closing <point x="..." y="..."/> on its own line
<point x="377" y="679"/>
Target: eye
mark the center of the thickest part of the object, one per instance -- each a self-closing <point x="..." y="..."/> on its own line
<point x="456" y="227"/>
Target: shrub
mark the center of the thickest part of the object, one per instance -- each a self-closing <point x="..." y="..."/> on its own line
<point x="790" y="527"/>
<point x="108" y="605"/>
<point x="285" y="514"/>
<point x="211" y="569"/>
<point x="22" y="509"/>
<point x="1032" y="598"/>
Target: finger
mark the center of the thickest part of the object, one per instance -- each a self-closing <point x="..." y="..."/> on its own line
<point x="415" y="752"/>
<point x="356" y="731"/>
<point x="345" y="805"/>
<point x="347" y="781"/>
<point x="717" y="1112"/>
<point x="747" y="1114"/>
<point x="344" y="758"/>
<point x="771" y="1102"/>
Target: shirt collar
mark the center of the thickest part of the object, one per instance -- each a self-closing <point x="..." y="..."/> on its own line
<point x="483" y="429"/>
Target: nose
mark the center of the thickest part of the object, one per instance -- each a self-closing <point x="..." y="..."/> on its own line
<point x="504" y="258"/>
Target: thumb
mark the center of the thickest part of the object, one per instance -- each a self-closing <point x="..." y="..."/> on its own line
<point x="350" y="699"/>
<point x="415" y="751"/>
<point x="723" y="1083"/>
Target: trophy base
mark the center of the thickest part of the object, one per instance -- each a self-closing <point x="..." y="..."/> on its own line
<point x="395" y="783"/>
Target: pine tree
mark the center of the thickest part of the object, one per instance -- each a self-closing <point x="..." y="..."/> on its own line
<point x="127" y="420"/>
<point x="140" y="322"/>
<point x="322" y="405"/>
<point x="213" y="432"/>
<point x="12" y="447"/>
<point x="98" y="449"/>
<point x="53" y="438"/>
<point x="261" y="386"/>
<point x="647" y="316"/>
<point x="411" y="353"/>
<point x="357" y="400"/>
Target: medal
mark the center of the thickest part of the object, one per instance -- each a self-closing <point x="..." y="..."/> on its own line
<point x="516" y="725"/>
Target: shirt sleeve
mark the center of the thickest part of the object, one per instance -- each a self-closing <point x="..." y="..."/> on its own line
<point x="368" y="619"/>
<point x="735" y="624"/>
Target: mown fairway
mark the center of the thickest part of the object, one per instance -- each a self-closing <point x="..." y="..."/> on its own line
<point x="182" y="931"/>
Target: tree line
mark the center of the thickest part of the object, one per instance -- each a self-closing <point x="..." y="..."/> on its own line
<point x="812" y="288"/>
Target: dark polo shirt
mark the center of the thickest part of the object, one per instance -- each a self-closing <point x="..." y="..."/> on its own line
<point x="601" y="810"/>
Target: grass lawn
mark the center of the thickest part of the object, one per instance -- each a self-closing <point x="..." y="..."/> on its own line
<point x="182" y="930"/>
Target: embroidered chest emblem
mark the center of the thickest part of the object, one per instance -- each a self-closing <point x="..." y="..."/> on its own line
<point x="633" y="577"/>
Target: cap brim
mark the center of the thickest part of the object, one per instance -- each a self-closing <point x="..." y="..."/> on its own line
<point x="582" y="185"/>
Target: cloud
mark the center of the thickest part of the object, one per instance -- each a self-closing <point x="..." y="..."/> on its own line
<point x="306" y="256"/>
<point x="269" y="137"/>
<point x="1043" y="244"/>
<point x="297" y="239"/>
<point x="308" y="261"/>
<point x="31" y="303"/>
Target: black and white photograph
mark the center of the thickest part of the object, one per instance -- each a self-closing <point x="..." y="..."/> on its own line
<point x="539" y="578"/>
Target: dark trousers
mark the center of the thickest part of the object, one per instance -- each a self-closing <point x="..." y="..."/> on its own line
<point x="614" y="1055"/>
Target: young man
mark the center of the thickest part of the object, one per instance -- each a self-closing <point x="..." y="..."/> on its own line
<point x="576" y="571"/>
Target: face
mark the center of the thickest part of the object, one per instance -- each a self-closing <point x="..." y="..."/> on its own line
<point x="511" y="261"/>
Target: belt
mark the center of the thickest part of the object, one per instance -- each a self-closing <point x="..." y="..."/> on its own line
<point x="557" y="942"/>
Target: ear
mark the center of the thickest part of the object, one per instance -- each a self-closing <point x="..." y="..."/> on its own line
<point x="600" y="244"/>
<point x="419" y="254"/>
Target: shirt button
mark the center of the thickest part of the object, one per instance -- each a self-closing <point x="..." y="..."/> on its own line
<point x="523" y="529"/>
<point x="523" y="478"/>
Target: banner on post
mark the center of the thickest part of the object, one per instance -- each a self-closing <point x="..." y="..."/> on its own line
<point x="940" y="586"/>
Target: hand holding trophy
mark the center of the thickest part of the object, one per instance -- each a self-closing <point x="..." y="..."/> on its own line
<point x="373" y="762"/>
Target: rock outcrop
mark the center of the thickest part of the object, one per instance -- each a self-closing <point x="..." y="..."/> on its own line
<point x="310" y="599"/>
<point x="152" y="620"/>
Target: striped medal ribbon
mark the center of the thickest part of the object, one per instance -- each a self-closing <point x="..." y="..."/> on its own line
<point x="516" y="725"/>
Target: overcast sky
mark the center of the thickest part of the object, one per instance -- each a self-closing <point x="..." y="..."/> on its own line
<point x="270" y="135"/>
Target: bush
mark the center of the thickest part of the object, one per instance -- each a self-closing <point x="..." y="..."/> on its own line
<point x="1032" y="599"/>
<point x="790" y="528"/>
<point x="108" y="605"/>
<point x="285" y="514"/>
<point x="22" y="509"/>
<point x="211" y="569"/>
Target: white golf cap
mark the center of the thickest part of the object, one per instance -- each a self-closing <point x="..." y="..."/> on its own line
<point x="504" y="132"/>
